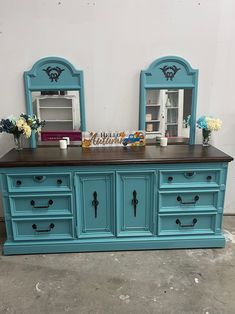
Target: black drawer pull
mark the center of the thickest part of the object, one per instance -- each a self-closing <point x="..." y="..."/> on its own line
<point x="18" y="182"/>
<point x="209" y="178"/>
<point x="59" y="181"/>
<point x="196" y="198"/>
<point x="170" y="179"/>
<point x="135" y="202"/>
<point x="35" y="227"/>
<point x="50" y="202"/>
<point x="39" y="178"/>
<point x="178" y="222"/>
<point x="189" y="174"/>
<point x="95" y="203"/>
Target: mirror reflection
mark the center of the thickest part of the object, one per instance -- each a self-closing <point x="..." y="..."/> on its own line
<point x="60" y="110"/>
<point x="167" y="112"/>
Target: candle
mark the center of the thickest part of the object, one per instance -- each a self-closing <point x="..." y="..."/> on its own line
<point x="163" y="141"/>
<point x="149" y="127"/>
<point x="148" y="117"/>
<point x="63" y="144"/>
<point x="67" y="139"/>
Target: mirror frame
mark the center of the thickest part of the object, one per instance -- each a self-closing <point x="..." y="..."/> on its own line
<point x="160" y="75"/>
<point x="53" y="73"/>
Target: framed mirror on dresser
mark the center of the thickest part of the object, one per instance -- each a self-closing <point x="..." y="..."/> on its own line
<point x="168" y="98"/>
<point x="54" y="91"/>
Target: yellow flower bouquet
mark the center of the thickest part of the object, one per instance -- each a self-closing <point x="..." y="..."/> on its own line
<point x="25" y="124"/>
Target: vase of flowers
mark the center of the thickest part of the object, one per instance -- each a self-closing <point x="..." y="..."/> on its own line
<point x="24" y="125"/>
<point x="18" y="141"/>
<point x="208" y="124"/>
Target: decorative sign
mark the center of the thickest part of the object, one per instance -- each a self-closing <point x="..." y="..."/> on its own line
<point x="106" y="139"/>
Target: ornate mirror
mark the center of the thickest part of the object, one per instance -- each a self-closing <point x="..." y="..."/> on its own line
<point x="55" y="93"/>
<point x="168" y="97"/>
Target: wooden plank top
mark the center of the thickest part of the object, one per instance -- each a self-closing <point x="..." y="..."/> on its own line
<point x="77" y="156"/>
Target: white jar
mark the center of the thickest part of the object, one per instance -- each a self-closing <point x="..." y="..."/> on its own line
<point x="148" y="117"/>
<point x="149" y="127"/>
<point x="63" y="144"/>
<point x="163" y="141"/>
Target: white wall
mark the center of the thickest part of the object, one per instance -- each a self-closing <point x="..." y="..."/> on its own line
<point x="112" y="40"/>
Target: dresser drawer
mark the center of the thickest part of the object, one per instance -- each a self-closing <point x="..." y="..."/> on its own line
<point x="42" y="228"/>
<point x="188" y="201"/>
<point x="46" y="204"/>
<point x="39" y="182"/>
<point x="189" y="178"/>
<point x="187" y="224"/>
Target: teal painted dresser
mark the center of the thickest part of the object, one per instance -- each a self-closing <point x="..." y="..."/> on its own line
<point x="105" y="199"/>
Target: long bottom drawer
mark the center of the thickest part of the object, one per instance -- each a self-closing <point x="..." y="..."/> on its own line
<point x="42" y="229"/>
<point x="186" y="224"/>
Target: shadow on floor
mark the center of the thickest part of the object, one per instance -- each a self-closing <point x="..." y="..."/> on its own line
<point x="138" y="282"/>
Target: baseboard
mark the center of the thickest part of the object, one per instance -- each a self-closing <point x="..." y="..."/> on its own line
<point x="100" y="245"/>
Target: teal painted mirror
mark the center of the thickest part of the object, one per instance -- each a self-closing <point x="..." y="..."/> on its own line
<point x="168" y="98"/>
<point x="54" y="91"/>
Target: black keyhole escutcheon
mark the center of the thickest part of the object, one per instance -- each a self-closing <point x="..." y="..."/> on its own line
<point x="135" y="202"/>
<point x="95" y="203"/>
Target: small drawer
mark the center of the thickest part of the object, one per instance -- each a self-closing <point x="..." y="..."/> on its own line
<point x="46" y="204"/>
<point x="42" y="229"/>
<point x="188" y="201"/>
<point x="192" y="224"/>
<point x="39" y="182"/>
<point x="189" y="178"/>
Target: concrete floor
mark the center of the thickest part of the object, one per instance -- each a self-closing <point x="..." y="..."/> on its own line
<point x="170" y="281"/>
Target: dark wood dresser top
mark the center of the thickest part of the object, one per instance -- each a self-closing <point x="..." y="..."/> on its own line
<point x="77" y="156"/>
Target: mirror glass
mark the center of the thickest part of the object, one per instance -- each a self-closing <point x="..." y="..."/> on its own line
<point x="167" y="114"/>
<point x="60" y="111"/>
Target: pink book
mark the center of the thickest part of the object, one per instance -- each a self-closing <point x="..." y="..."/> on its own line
<point x="58" y="135"/>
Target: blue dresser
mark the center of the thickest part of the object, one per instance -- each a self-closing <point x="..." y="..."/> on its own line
<point x="105" y="199"/>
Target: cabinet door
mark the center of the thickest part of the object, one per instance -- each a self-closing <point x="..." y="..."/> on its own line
<point x="135" y="203"/>
<point x="95" y="204"/>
